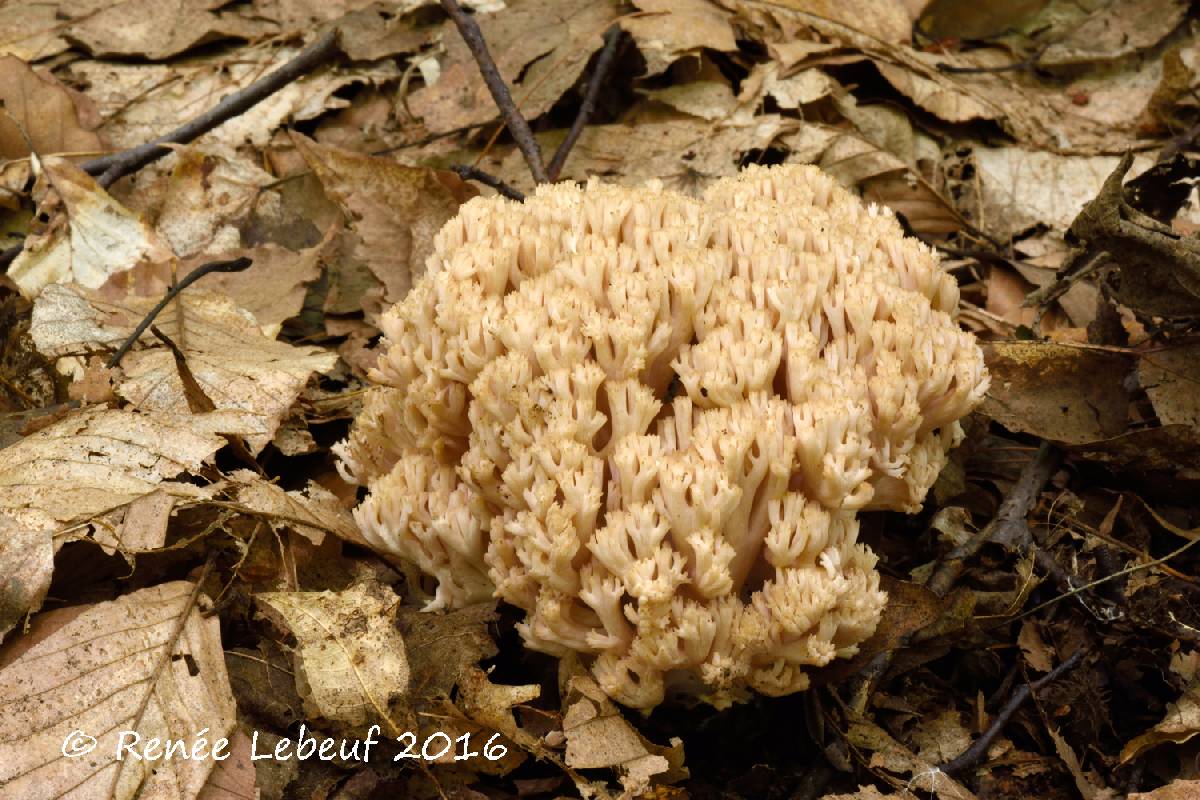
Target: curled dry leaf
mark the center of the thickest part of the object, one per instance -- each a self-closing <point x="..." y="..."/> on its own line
<point x="89" y="237"/>
<point x="1171" y="377"/>
<point x="394" y="209"/>
<point x="238" y="368"/>
<point x="1180" y="789"/>
<point x="350" y="660"/>
<point x="148" y="664"/>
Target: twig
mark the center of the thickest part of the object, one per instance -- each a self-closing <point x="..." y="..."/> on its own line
<point x="974" y="755"/>
<point x="612" y="38"/>
<point x="1025" y="65"/>
<point x="114" y="166"/>
<point x="473" y="37"/>
<point x="1008" y="526"/>
<point x="236" y="265"/>
<point x="479" y="176"/>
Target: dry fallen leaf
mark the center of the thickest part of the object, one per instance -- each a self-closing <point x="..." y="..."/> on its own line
<point x="668" y="30"/>
<point x="890" y="755"/>
<point x="540" y="47"/>
<point x="394" y="209"/>
<point x="147" y="665"/>
<point x="145" y="29"/>
<point x="1182" y="719"/>
<point x="1175" y="790"/>
<point x="597" y="736"/>
<point x="89" y="238"/>
<point x="140" y="101"/>
<point x="311" y="513"/>
<point x="1171" y="377"/>
<point x="243" y="372"/>
<point x="1019" y="189"/>
<point x="350" y="660"/>
<point x="37" y="105"/>
<point x="1062" y="393"/>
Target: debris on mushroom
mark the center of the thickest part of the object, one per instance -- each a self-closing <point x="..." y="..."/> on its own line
<point x="650" y="421"/>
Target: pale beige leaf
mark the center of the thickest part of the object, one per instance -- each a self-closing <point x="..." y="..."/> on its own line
<point x="1037" y="653"/>
<point x="149" y="663"/>
<point x="888" y="754"/>
<point x="143" y="526"/>
<point x="540" y="48"/>
<point x="350" y="658"/>
<point x="705" y="99"/>
<point x="939" y="738"/>
<point x="96" y="460"/>
<point x="394" y="209"/>
<point x="31" y="31"/>
<point x="667" y="30"/>
<point x="36" y="105"/>
<point x="886" y="20"/>
<point x="597" y="736"/>
<point x="1019" y="188"/>
<point x="240" y="369"/>
<point x="274" y="286"/>
<point x="26" y="565"/>
<point x="90" y="236"/>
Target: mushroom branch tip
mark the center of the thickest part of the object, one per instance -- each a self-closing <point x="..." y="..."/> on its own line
<point x="650" y="421"/>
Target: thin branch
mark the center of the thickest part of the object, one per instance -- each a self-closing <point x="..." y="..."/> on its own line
<point x="236" y="265"/>
<point x="112" y="168"/>
<point x="1008" y="526"/>
<point x="974" y="755"/>
<point x="479" y="176"/>
<point x="612" y="39"/>
<point x="473" y="37"/>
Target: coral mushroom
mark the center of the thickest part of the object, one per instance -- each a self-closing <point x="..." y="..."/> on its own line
<point x="649" y="421"/>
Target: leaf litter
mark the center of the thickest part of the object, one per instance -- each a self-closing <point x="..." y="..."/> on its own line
<point x="996" y="131"/>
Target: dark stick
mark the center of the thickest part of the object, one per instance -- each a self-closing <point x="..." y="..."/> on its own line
<point x="612" y="38"/>
<point x="115" y="166"/>
<point x="236" y="265"/>
<point x="1008" y="526"/>
<point x="974" y="755"/>
<point x="473" y="37"/>
<point x="487" y="179"/>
